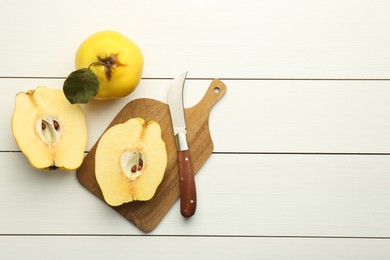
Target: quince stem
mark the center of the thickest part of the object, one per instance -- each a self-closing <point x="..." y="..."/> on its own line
<point x="96" y="63"/>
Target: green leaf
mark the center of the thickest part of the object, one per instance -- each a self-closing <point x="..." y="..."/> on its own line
<point x="81" y="86"/>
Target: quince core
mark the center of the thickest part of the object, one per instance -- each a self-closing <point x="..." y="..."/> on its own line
<point x="130" y="161"/>
<point x="51" y="132"/>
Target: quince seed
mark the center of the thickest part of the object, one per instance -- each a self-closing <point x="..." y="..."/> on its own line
<point x="48" y="130"/>
<point x="132" y="164"/>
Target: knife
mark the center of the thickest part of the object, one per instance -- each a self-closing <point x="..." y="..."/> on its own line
<point x="187" y="181"/>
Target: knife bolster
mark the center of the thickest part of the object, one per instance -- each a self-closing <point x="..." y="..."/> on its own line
<point x="181" y="142"/>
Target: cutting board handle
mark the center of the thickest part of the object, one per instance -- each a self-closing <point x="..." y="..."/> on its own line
<point x="215" y="91"/>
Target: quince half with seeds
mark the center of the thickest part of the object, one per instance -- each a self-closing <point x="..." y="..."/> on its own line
<point x="50" y="131"/>
<point x="130" y="161"/>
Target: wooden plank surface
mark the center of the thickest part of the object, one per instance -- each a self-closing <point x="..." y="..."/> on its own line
<point x="247" y="39"/>
<point x="309" y="79"/>
<point x="276" y="116"/>
<point x="238" y="194"/>
<point x="250" y="248"/>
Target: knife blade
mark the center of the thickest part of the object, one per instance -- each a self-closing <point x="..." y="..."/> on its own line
<point x="187" y="181"/>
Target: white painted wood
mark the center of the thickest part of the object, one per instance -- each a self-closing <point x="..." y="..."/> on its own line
<point x="271" y="39"/>
<point x="256" y="195"/>
<point x="199" y="248"/>
<point x="272" y="116"/>
<point x="292" y="206"/>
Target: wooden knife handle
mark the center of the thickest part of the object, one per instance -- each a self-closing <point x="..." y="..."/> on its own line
<point x="187" y="184"/>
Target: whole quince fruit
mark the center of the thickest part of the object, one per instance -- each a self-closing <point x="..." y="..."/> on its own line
<point x="108" y="65"/>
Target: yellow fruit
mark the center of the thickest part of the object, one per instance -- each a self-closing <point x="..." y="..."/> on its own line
<point x="117" y="62"/>
<point x="51" y="132"/>
<point x="130" y="161"/>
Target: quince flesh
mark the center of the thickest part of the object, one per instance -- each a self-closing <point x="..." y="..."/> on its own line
<point x="51" y="132"/>
<point x="130" y="161"/>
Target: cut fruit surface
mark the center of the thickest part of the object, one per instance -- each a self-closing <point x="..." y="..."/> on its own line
<point x="51" y="132"/>
<point x="130" y="161"/>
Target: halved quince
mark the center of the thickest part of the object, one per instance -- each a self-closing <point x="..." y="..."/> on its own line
<point x="130" y="161"/>
<point x="51" y="132"/>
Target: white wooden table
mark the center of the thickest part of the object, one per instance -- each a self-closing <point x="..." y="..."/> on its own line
<point x="301" y="165"/>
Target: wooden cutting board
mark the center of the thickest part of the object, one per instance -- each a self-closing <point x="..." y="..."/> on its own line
<point x="146" y="215"/>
